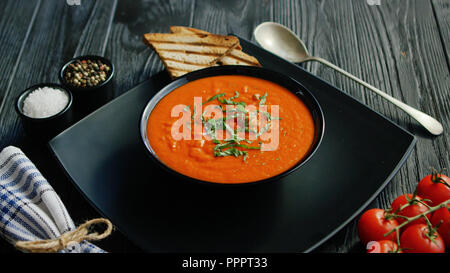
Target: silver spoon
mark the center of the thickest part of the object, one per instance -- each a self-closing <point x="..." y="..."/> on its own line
<point x="281" y="41"/>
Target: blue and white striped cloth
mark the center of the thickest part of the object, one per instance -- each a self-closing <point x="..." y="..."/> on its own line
<point x="29" y="207"/>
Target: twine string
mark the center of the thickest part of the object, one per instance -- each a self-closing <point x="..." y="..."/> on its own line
<point x="81" y="233"/>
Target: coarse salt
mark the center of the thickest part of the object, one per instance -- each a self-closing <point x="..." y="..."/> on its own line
<point x="45" y="102"/>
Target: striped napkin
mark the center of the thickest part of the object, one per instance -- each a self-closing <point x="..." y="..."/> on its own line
<point x="30" y="209"/>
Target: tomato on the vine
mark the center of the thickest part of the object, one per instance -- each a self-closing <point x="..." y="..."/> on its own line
<point x="441" y="217"/>
<point x="419" y="238"/>
<point x="374" y="224"/>
<point x="409" y="206"/>
<point x="434" y="187"/>
<point x="383" y="246"/>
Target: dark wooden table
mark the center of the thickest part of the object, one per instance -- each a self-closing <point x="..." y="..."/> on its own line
<point x="399" y="46"/>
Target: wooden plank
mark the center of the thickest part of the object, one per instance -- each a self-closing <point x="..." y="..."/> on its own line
<point x="441" y="9"/>
<point x="133" y="60"/>
<point x="95" y="35"/>
<point x="237" y="17"/>
<point x="14" y="34"/>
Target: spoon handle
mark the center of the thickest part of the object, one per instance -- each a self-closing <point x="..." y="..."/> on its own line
<point x="431" y="124"/>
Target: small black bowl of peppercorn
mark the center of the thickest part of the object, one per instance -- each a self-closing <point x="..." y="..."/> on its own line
<point x="89" y="78"/>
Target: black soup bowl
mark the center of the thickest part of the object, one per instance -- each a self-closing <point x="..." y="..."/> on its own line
<point x="258" y="72"/>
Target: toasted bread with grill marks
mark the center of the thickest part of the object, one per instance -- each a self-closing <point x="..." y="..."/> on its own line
<point x="187" y="30"/>
<point x="192" y="39"/>
<point x="189" y="49"/>
<point x="190" y="30"/>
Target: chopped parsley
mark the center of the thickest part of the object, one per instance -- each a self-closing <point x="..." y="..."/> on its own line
<point x="229" y="147"/>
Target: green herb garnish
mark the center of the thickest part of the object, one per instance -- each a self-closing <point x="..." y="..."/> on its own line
<point x="214" y="97"/>
<point x="262" y="100"/>
<point x="229" y="147"/>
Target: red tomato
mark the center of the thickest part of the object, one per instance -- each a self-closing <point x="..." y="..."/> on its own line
<point x="434" y="187"/>
<point x="383" y="246"/>
<point x="442" y="214"/>
<point x="373" y="225"/>
<point x="416" y="239"/>
<point x="413" y="209"/>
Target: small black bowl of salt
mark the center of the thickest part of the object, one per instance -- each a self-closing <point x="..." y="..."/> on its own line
<point x="45" y="110"/>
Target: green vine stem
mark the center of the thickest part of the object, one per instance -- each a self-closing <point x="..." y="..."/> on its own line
<point x="436" y="178"/>
<point x="423" y="214"/>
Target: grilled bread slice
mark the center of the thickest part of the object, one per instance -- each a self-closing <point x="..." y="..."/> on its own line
<point x="192" y="39"/>
<point x="237" y="57"/>
<point x="234" y="50"/>
<point x="182" y="53"/>
<point x="187" y="30"/>
<point x="190" y="30"/>
<point x="190" y="49"/>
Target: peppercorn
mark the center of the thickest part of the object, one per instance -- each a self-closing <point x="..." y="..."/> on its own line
<point x="86" y="73"/>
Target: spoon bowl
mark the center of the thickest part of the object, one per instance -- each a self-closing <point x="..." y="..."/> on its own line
<point x="281" y="41"/>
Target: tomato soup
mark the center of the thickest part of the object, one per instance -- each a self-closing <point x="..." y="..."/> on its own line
<point x="256" y="129"/>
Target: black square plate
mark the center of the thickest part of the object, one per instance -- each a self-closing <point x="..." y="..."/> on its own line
<point x="361" y="151"/>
